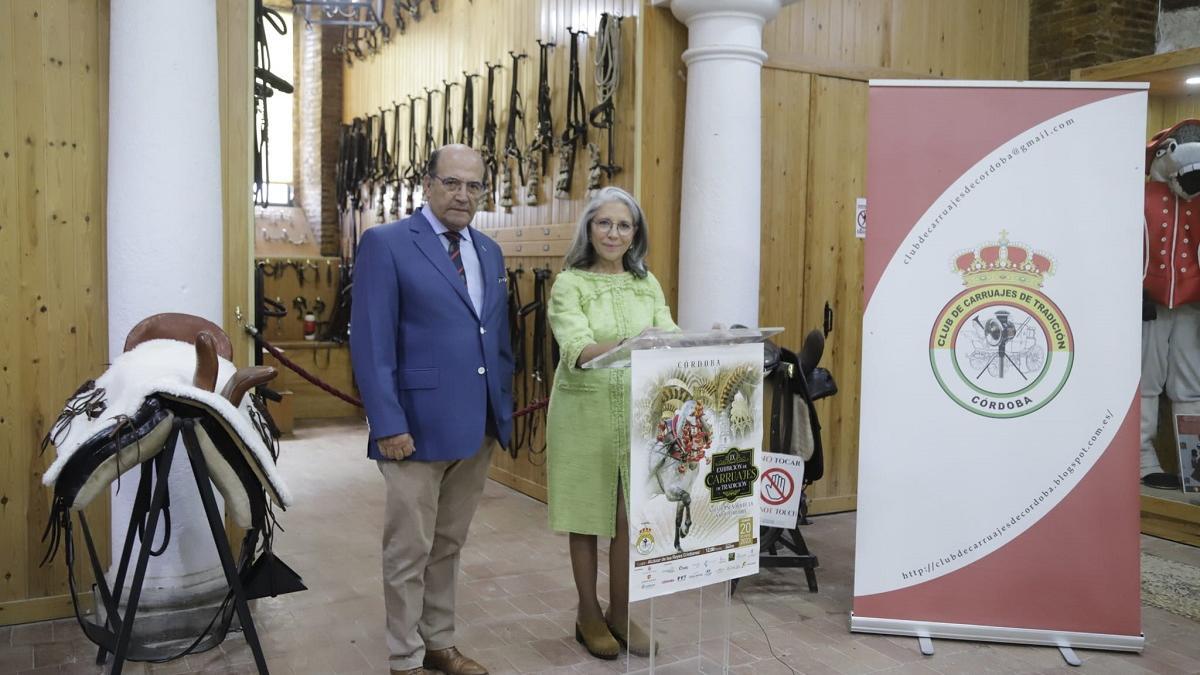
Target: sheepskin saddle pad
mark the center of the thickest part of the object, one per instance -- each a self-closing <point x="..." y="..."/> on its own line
<point x="124" y="418"/>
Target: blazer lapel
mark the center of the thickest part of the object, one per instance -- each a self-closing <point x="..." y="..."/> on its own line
<point x="433" y="249"/>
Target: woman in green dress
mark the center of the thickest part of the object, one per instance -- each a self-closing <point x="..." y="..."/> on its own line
<point x="605" y="295"/>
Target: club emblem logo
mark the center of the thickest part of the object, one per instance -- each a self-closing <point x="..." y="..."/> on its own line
<point x="644" y="543"/>
<point x="1002" y="348"/>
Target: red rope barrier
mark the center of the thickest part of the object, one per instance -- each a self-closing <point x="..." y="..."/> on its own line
<point x="292" y="365"/>
<point x="278" y="354"/>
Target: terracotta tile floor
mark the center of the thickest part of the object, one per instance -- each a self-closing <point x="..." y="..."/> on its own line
<point x="516" y="600"/>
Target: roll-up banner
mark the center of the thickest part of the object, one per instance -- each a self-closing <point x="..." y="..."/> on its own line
<point x="998" y="471"/>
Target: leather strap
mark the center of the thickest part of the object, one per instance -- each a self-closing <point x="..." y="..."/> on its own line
<point x="516" y="118"/>
<point x="466" y="129"/>
<point x="490" y="127"/>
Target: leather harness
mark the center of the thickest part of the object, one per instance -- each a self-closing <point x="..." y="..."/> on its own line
<point x="575" y="131"/>
<point x="490" y="127"/>
<point x="466" y="129"/>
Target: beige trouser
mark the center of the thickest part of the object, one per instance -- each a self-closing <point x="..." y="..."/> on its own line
<point x="429" y="509"/>
<point x="1170" y="364"/>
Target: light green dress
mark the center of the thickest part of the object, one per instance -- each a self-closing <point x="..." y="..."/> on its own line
<point x="587" y="432"/>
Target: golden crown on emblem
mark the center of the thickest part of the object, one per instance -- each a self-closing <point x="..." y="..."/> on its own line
<point x="1003" y="262"/>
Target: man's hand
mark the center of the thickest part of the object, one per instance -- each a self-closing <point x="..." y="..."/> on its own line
<point x="396" y="447"/>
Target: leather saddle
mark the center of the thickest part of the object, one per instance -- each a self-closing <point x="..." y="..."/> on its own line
<point x="173" y="365"/>
<point x="796" y="382"/>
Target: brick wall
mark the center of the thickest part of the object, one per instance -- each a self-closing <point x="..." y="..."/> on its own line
<point x="318" y="104"/>
<point x="1066" y="34"/>
<point x="1179" y="25"/>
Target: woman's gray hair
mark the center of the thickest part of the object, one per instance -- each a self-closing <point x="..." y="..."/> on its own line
<point x="582" y="255"/>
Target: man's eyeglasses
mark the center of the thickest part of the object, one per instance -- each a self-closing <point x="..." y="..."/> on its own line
<point x="474" y="188"/>
<point x="624" y="228"/>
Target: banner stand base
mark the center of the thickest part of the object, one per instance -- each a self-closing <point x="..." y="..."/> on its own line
<point x="1069" y="656"/>
<point x="926" y="645"/>
<point x="1027" y="636"/>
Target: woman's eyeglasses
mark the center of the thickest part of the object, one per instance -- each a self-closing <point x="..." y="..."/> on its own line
<point x="624" y="227"/>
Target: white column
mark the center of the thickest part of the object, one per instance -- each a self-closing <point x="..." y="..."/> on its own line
<point x="722" y="156"/>
<point x="165" y="241"/>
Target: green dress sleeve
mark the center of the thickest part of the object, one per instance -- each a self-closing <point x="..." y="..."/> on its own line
<point x="570" y="325"/>
<point x="662" y="311"/>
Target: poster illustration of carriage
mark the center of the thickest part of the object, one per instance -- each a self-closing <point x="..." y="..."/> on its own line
<point x="696" y="436"/>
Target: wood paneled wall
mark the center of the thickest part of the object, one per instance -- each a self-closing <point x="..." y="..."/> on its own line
<point x="53" y="293"/>
<point x="970" y="39"/>
<point x="235" y="63"/>
<point x="463" y="36"/>
<point x="661" y="100"/>
<point x="814" y="167"/>
<point x="1164" y="111"/>
<point x="821" y="52"/>
<point x="53" y="318"/>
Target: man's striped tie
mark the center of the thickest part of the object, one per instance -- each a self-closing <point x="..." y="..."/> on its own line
<point x="456" y="254"/>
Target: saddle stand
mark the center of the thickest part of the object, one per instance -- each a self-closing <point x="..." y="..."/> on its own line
<point x="790" y="374"/>
<point x="114" y="635"/>
<point x="793" y="540"/>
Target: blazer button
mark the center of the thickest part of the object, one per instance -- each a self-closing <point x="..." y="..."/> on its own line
<point x="482" y="330"/>
<point x="481" y="370"/>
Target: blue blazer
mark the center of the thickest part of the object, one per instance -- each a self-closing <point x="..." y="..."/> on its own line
<point x="425" y="363"/>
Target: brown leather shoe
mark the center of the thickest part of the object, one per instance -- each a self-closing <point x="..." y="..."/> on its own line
<point x="637" y="641"/>
<point x="450" y="661"/>
<point x="409" y="671"/>
<point x="597" y="640"/>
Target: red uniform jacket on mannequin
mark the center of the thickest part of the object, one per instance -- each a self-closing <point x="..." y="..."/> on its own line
<point x="1172" y="270"/>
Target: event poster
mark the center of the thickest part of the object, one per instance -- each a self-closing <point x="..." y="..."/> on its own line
<point x="1187" y="432"/>
<point x="998" y="448"/>
<point x="695" y="441"/>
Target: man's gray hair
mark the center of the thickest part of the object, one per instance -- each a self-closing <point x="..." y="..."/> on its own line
<point x="582" y="255"/>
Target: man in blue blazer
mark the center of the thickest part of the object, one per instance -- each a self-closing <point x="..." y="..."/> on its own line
<point x="430" y="346"/>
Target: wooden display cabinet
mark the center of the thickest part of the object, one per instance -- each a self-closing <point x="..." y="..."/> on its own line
<point x="1171" y="514"/>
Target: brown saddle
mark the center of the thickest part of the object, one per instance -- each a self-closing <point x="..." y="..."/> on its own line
<point x="210" y="342"/>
